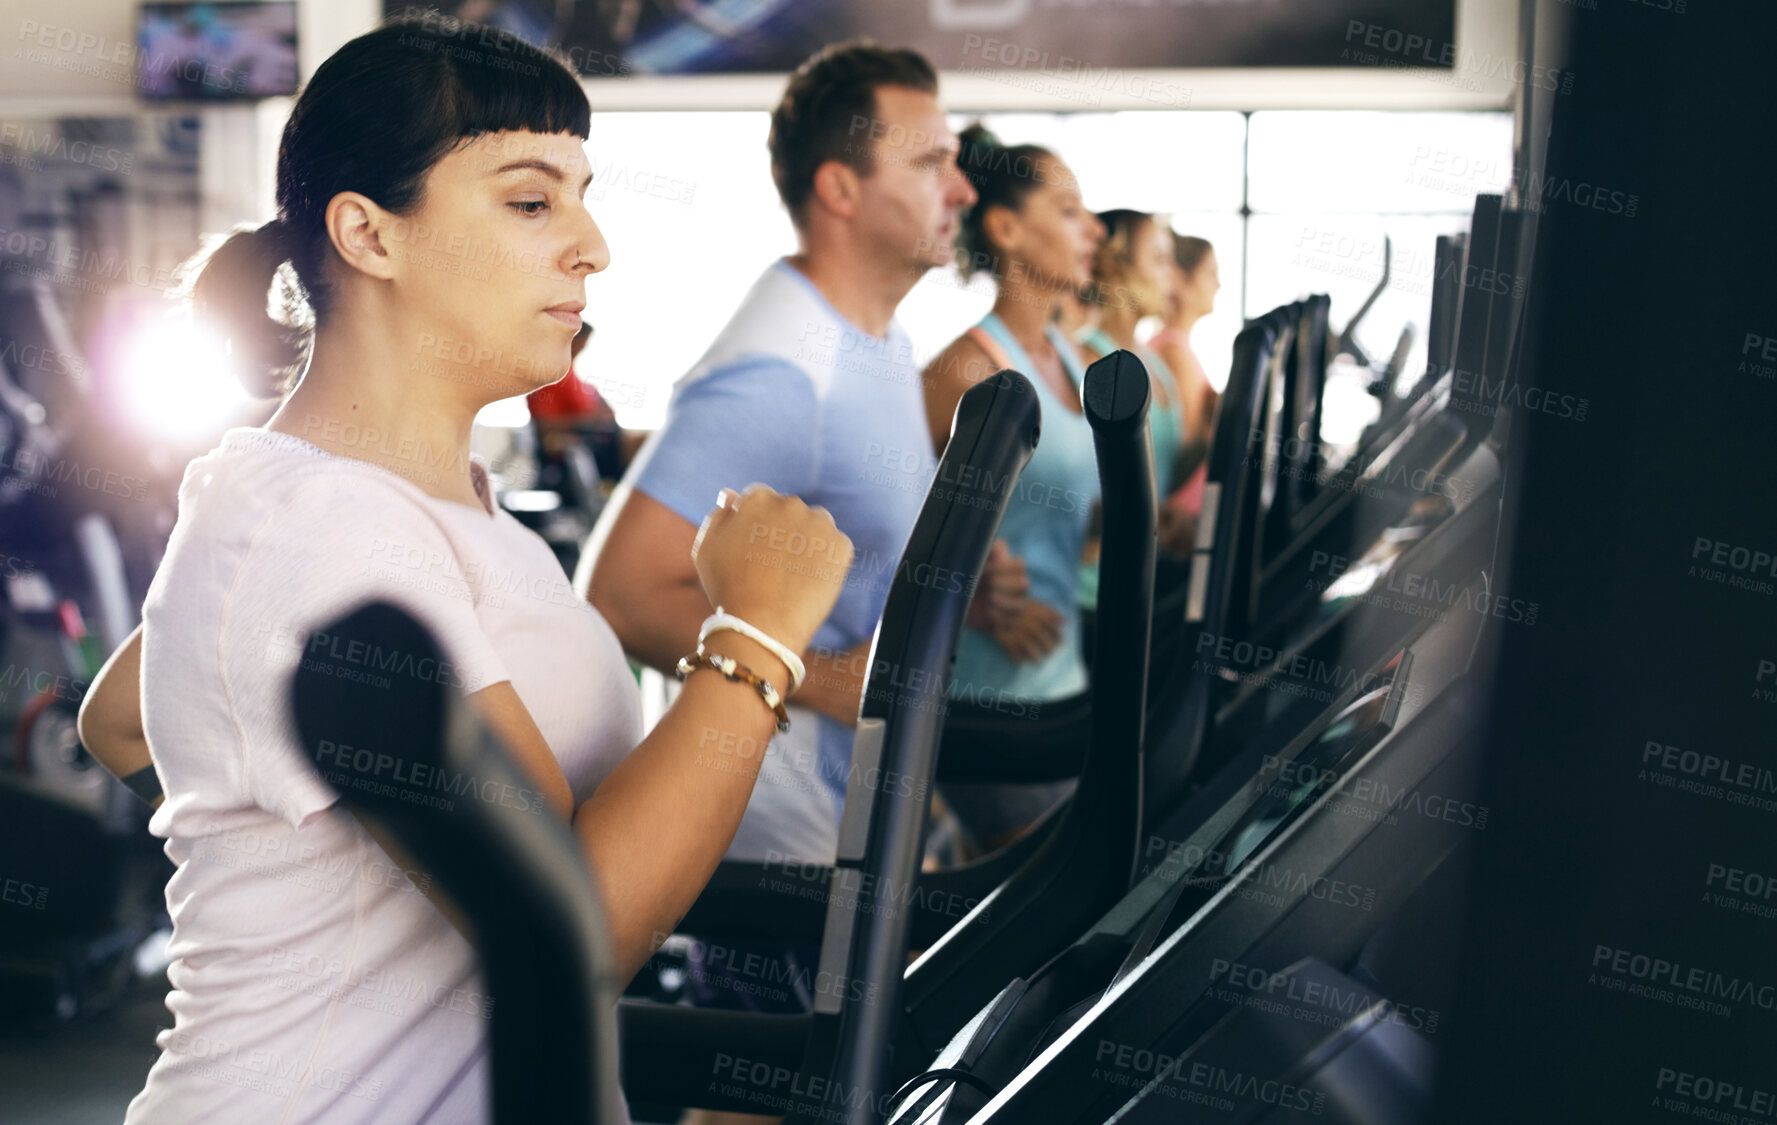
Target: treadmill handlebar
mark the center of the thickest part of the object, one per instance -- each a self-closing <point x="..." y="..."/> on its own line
<point x="882" y="834"/>
<point x="1348" y="339"/>
<point x="1117" y="398"/>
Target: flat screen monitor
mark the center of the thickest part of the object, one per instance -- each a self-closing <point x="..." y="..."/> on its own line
<point x="203" y="52"/>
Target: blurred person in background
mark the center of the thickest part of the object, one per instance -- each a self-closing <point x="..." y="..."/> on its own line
<point x="1132" y="279"/>
<point x="1031" y="231"/>
<point x="1191" y="297"/>
<point x="805" y="389"/>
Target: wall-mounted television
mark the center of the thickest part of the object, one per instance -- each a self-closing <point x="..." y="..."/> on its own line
<point x="204" y="52"/>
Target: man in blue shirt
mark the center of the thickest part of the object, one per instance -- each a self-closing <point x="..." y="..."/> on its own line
<point x="814" y="390"/>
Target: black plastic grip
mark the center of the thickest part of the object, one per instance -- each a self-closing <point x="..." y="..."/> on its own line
<point x="408" y="757"/>
<point x="882" y="835"/>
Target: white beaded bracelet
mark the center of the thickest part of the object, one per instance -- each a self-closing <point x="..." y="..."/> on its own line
<point x="721" y="619"/>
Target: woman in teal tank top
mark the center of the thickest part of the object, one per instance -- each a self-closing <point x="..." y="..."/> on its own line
<point x="1030" y="230"/>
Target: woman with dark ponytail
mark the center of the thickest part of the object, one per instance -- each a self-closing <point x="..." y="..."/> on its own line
<point x="1030" y="230"/>
<point x="429" y="257"/>
<point x="227" y="292"/>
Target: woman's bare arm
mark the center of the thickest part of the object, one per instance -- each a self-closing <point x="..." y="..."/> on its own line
<point x="110" y="723"/>
<point x="657" y="827"/>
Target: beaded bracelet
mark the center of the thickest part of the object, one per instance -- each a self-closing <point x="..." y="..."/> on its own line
<point x="736" y="672"/>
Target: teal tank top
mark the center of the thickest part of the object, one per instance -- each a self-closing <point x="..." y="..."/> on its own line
<point x="1166" y="432"/>
<point x="1046" y="522"/>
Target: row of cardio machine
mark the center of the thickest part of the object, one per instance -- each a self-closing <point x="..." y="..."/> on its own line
<point x="1248" y="906"/>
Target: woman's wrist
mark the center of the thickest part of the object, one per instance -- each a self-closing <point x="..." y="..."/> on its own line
<point x="723" y="621"/>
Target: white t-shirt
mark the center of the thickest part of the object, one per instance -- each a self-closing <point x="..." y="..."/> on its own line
<point x="312" y="981"/>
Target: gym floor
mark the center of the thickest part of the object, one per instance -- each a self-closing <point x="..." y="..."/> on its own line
<point x="84" y="1073"/>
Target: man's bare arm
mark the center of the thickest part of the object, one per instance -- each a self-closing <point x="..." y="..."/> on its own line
<point x="637" y="572"/>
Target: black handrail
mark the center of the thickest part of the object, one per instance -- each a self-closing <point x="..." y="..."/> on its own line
<point x="882" y="834"/>
<point x="515" y="873"/>
<point x="1223" y="561"/>
<point x="1087" y="860"/>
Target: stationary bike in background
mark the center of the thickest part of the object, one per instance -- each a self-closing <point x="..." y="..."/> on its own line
<point x="82" y="877"/>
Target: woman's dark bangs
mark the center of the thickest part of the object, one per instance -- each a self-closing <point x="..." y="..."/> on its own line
<point x="537" y="94"/>
<point x="493" y="82"/>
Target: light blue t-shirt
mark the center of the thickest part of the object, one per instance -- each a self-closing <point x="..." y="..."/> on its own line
<point x="794" y="396"/>
<point x="1046" y="522"/>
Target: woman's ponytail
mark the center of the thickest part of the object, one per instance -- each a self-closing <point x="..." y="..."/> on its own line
<point x="229" y="288"/>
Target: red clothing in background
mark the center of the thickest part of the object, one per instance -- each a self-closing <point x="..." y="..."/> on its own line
<point x="569" y="398"/>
